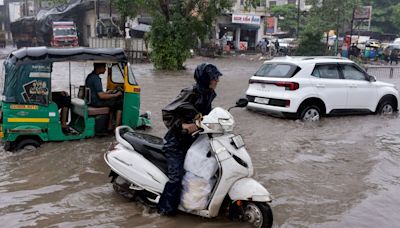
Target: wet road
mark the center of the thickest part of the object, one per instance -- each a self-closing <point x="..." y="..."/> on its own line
<point x="340" y="172"/>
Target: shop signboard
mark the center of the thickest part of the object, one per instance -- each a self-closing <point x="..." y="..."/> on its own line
<point x="246" y="19"/>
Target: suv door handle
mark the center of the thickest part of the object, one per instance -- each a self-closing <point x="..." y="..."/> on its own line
<point x="320" y="85"/>
<point x="353" y="86"/>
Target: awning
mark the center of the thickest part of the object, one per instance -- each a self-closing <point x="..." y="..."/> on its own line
<point x="241" y="26"/>
<point x="142" y="28"/>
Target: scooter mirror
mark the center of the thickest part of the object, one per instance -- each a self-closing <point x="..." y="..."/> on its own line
<point x="242" y="102"/>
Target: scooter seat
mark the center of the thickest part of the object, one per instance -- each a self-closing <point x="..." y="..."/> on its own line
<point x="149" y="146"/>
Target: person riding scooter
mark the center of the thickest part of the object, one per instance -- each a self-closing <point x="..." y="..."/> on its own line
<point x="179" y="117"/>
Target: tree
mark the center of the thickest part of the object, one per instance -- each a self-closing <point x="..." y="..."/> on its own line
<point x="323" y="17"/>
<point x="385" y="15"/>
<point x="289" y="14"/>
<point x="176" y="27"/>
<point x="251" y="4"/>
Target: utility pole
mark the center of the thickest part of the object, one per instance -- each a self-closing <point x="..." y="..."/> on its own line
<point x="352" y="24"/>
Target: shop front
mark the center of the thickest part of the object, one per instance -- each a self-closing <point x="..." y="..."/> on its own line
<point x="241" y="33"/>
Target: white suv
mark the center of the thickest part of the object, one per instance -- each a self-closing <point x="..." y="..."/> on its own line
<point x="309" y="87"/>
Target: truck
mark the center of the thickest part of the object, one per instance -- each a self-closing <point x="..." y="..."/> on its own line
<point x="64" y="34"/>
<point x="53" y="27"/>
<point x="30" y="32"/>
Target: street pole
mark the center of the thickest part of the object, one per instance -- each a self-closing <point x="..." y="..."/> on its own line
<point x="337" y="32"/>
<point x="298" y="19"/>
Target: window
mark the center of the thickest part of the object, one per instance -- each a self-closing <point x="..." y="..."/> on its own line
<point x="258" y="3"/>
<point x="117" y="75"/>
<point x="326" y="71"/>
<point x="277" y="70"/>
<point x="292" y="2"/>
<point x="272" y="3"/>
<point x="131" y="78"/>
<point x="351" y="72"/>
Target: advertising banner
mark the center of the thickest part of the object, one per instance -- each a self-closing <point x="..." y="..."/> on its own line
<point x="270" y="25"/>
<point x="243" y="45"/>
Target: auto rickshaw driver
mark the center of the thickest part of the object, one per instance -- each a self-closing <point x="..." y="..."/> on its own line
<point x="99" y="98"/>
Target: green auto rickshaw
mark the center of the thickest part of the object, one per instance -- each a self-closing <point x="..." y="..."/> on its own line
<point x="28" y="114"/>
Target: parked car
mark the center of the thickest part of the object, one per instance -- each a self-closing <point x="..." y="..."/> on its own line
<point x="310" y="87"/>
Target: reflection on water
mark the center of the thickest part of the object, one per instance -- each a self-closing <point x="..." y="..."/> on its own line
<point x="340" y="172"/>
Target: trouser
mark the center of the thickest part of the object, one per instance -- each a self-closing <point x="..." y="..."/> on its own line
<point x="175" y="149"/>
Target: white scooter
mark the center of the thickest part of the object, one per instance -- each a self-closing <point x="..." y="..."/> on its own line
<point x="138" y="170"/>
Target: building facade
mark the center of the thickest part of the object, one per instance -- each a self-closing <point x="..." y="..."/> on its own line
<point x="244" y="28"/>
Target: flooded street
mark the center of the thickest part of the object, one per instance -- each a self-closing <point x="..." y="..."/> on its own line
<point x="339" y="172"/>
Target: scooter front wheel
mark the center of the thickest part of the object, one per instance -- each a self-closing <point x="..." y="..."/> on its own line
<point x="258" y="214"/>
<point x="121" y="186"/>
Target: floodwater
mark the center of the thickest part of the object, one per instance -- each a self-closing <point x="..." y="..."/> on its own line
<point x="340" y="172"/>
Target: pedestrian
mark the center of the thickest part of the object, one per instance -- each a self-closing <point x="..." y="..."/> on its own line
<point x="277" y="46"/>
<point x="393" y="56"/>
<point x="179" y="116"/>
<point x="263" y="44"/>
<point x="386" y="55"/>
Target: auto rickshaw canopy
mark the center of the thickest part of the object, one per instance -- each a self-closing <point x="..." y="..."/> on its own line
<point x="28" y="70"/>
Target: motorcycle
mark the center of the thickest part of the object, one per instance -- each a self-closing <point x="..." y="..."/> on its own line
<point x="138" y="170"/>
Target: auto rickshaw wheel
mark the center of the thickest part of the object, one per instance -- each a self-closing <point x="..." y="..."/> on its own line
<point x="27" y="144"/>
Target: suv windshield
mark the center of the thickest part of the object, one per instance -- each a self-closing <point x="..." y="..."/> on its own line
<point x="277" y="70"/>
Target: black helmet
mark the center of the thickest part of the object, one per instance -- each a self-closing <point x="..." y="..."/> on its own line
<point x="206" y="72"/>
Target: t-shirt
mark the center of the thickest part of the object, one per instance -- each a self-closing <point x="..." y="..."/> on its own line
<point x="93" y="81"/>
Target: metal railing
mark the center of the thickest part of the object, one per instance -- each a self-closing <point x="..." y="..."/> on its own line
<point x="135" y="49"/>
<point x="384" y="71"/>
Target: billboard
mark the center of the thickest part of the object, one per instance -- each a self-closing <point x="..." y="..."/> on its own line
<point x="270" y="23"/>
<point x="1" y="2"/>
<point x="363" y="13"/>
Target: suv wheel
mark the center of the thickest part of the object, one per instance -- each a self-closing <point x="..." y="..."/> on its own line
<point x="386" y="108"/>
<point x="310" y="113"/>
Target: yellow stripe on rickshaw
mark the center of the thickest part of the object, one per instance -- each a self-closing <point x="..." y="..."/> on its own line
<point x="131" y="88"/>
<point x="28" y="120"/>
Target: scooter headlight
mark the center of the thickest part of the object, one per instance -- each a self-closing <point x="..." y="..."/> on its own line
<point x="214" y="126"/>
<point x="227" y="124"/>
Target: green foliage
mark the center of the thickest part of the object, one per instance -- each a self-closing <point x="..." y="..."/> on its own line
<point x="325" y="16"/>
<point x="288" y="13"/>
<point x="251" y="4"/>
<point x="310" y="41"/>
<point x="170" y="42"/>
<point x="176" y="27"/>
<point x="128" y="7"/>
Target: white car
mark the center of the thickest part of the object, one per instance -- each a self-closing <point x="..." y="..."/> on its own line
<point x="310" y="87"/>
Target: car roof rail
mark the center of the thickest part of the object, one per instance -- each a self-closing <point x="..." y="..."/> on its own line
<point x="323" y="57"/>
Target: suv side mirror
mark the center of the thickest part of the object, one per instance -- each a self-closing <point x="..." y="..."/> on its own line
<point x="371" y="78"/>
